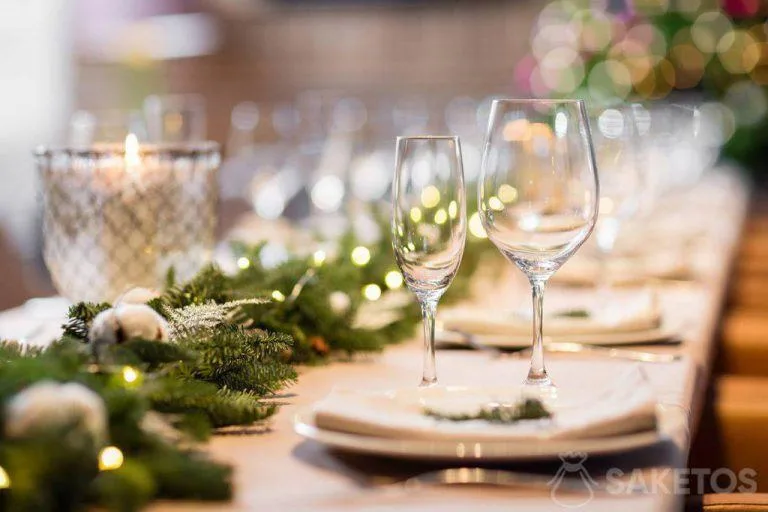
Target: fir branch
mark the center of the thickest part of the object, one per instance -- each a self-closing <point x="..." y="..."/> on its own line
<point x="209" y="285"/>
<point x="203" y="317"/>
<point x="529" y="409"/>
<point x="241" y="359"/>
<point x="222" y="407"/>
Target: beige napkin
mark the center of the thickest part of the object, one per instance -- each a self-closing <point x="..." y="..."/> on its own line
<point x="585" y="271"/>
<point x="627" y="407"/>
<point x="638" y="312"/>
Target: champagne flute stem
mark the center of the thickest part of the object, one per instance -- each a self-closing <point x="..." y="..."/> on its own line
<point x="428" y="311"/>
<point x="537" y="375"/>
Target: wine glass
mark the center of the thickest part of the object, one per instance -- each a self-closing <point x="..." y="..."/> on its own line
<point x="538" y="196"/>
<point x="621" y="180"/>
<point x="429" y="225"/>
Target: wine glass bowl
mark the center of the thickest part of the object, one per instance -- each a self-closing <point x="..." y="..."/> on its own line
<point x="429" y="223"/>
<point x="538" y="193"/>
<point x="622" y="179"/>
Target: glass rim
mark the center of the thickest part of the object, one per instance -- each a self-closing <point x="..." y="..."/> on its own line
<point x="98" y="150"/>
<point x="554" y="101"/>
<point x="427" y="137"/>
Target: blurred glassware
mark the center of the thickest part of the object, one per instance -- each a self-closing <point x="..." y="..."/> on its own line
<point x="175" y="118"/>
<point x="461" y="119"/>
<point x="410" y="115"/>
<point x="251" y="157"/>
<point x="619" y="166"/>
<point x="429" y="225"/>
<point x="679" y="143"/>
<point x="88" y="127"/>
<point x="538" y="196"/>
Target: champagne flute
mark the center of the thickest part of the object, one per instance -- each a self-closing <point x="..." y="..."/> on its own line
<point x="429" y="225"/>
<point x="538" y="196"/>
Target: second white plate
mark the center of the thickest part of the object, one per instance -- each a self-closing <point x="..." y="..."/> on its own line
<point x="512" y="341"/>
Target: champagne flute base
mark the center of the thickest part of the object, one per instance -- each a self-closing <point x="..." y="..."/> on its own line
<point x="428" y="383"/>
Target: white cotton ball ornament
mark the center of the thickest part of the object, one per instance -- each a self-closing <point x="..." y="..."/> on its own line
<point x="340" y="302"/>
<point x="124" y="322"/>
<point x="50" y="405"/>
<point x="137" y="295"/>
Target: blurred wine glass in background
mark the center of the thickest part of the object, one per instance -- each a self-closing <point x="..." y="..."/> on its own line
<point x="617" y="153"/>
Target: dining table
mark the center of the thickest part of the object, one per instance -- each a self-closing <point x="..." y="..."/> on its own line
<point x="276" y="469"/>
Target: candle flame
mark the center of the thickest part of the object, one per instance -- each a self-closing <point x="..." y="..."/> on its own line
<point x="131" y="150"/>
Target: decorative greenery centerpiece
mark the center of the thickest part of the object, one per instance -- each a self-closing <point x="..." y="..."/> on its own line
<point x="111" y="413"/>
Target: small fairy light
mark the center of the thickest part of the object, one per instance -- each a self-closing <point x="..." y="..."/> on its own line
<point x="360" y="256"/>
<point x="508" y="193"/>
<point x="110" y="458"/>
<point x="278" y="296"/>
<point x="441" y="216"/>
<point x="453" y="209"/>
<point x="393" y="279"/>
<point x="5" y="480"/>
<point x="371" y="292"/>
<point x="318" y="258"/>
<point x="495" y="203"/>
<point x="476" y="226"/>
<point x="130" y="375"/>
<point x="430" y="197"/>
<point x="243" y="262"/>
<point x="415" y="214"/>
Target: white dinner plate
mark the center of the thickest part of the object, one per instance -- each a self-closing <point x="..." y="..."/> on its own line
<point x="512" y="341"/>
<point x="456" y="451"/>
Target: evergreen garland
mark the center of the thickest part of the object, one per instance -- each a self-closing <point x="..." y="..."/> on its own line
<point x="234" y="339"/>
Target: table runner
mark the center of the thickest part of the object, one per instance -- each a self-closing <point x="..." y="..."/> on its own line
<point x="278" y="470"/>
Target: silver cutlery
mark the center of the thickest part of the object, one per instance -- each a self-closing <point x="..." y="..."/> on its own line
<point x="505" y="478"/>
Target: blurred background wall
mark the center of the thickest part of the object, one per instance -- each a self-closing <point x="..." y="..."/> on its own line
<point x="271" y="51"/>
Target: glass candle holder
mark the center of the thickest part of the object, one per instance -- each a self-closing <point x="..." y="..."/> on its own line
<point x="118" y="216"/>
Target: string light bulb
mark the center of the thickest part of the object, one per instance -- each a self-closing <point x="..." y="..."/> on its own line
<point x="372" y="292"/>
<point x="243" y="262"/>
<point x="278" y="296"/>
<point x="393" y="279"/>
<point x="318" y="258"/>
<point x="360" y="256"/>
<point x="130" y="374"/>
<point x="5" y="480"/>
<point x="110" y="458"/>
<point x="476" y="226"/>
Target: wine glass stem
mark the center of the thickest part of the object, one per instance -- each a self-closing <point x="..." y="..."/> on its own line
<point x="428" y="311"/>
<point x="537" y="375"/>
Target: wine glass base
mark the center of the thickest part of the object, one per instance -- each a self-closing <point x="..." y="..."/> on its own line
<point x="541" y="388"/>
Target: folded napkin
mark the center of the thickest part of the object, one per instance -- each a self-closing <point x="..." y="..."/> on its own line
<point x="626" y="408"/>
<point x="634" y="313"/>
<point x="626" y="270"/>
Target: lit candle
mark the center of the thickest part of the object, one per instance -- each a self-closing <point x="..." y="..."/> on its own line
<point x="129" y="221"/>
<point x="119" y="217"/>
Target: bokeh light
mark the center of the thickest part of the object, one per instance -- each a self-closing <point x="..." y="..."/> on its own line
<point x="393" y="279"/>
<point x="372" y="292"/>
<point x="110" y="458"/>
<point x="360" y="256"/>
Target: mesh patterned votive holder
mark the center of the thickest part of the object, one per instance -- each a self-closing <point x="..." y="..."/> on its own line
<point x="116" y="216"/>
